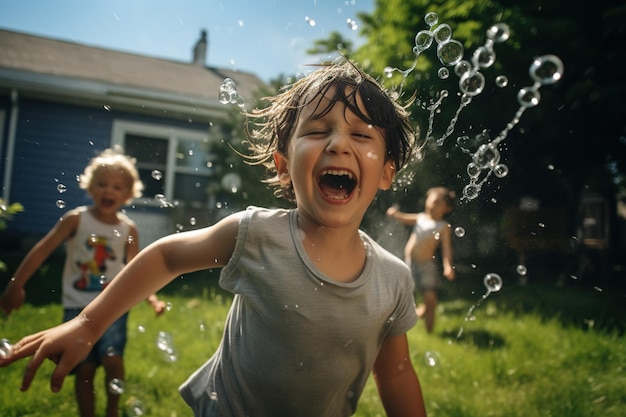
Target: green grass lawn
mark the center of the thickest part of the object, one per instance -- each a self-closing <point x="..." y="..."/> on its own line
<point x="535" y="350"/>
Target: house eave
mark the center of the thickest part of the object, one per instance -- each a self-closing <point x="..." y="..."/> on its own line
<point x="111" y="96"/>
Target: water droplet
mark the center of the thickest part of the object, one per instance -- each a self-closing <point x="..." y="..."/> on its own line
<point x="423" y="40"/>
<point x="502" y="81"/>
<point x="134" y="407"/>
<point x="462" y="67"/>
<point x="486" y="156"/>
<point x="431" y="19"/>
<point x="472" y="83"/>
<point x="5" y="348"/>
<point x="471" y="191"/>
<point x="443" y="73"/>
<point x="443" y="33"/>
<point x="499" y="32"/>
<point x="116" y="386"/>
<point x="528" y="97"/>
<point x="546" y="69"/>
<point x="431" y="359"/>
<point x="484" y="57"/>
<point x="493" y="282"/>
<point x="450" y="52"/>
<point x="501" y="170"/>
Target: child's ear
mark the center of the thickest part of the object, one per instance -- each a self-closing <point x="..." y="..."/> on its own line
<point x="282" y="168"/>
<point x="389" y="173"/>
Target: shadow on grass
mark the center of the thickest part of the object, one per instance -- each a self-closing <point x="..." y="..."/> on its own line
<point x="481" y="339"/>
<point x="573" y="303"/>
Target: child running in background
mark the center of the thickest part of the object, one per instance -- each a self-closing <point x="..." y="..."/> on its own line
<point x="317" y="305"/>
<point x="100" y="240"/>
<point x="430" y="231"/>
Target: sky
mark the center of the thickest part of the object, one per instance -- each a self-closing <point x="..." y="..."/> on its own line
<point x="265" y="37"/>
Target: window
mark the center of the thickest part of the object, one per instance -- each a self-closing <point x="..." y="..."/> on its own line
<point x="175" y="163"/>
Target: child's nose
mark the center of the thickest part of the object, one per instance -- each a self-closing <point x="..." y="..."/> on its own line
<point x="338" y="143"/>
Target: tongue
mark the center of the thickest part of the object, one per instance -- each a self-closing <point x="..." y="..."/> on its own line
<point x="333" y="191"/>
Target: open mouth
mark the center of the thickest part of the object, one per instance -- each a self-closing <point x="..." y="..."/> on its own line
<point x="337" y="184"/>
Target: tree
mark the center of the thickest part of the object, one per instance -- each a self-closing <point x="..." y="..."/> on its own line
<point x="572" y="142"/>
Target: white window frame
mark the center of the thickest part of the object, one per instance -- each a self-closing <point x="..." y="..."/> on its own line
<point x="121" y="128"/>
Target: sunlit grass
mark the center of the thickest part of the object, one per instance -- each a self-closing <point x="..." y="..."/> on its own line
<point x="507" y="363"/>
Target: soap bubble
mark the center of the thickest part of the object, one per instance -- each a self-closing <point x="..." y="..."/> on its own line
<point x="459" y="231"/>
<point x="60" y="204"/>
<point x="546" y="69"/>
<point x="61" y="188"/>
<point x="521" y="270"/>
<point x="157" y="175"/>
<point x="493" y="282"/>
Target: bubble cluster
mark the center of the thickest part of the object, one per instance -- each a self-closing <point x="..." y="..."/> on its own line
<point x="485" y="156"/>
<point x="228" y="94"/>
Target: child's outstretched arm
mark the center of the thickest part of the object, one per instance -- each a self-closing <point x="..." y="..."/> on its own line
<point x="396" y="380"/>
<point x="13" y="296"/>
<point x="447" y="253"/>
<point x="150" y="270"/>
<point x="132" y="249"/>
<point x="407" y="219"/>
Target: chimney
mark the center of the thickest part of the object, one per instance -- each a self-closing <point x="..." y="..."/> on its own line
<point x="200" y="50"/>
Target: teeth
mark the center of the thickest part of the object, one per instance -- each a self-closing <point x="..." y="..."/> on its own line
<point x="337" y="172"/>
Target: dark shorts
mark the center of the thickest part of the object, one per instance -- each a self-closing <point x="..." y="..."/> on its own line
<point x="112" y="342"/>
<point x="426" y="276"/>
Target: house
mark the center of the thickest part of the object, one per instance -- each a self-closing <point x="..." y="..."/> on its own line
<point x="62" y="102"/>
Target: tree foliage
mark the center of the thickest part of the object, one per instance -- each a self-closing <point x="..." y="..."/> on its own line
<point x="573" y="142"/>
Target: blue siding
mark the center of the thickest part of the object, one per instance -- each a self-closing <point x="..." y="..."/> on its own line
<point x="54" y="143"/>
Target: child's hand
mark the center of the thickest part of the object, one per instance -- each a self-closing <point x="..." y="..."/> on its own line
<point x="158" y="306"/>
<point x="66" y="345"/>
<point x="449" y="273"/>
<point x="392" y="210"/>
<point x="12" y="299"/>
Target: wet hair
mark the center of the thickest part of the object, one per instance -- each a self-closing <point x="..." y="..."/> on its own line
<point x="113" y="159"/>
<point x="447" y="194"/>
<point x="338" y="82"/>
